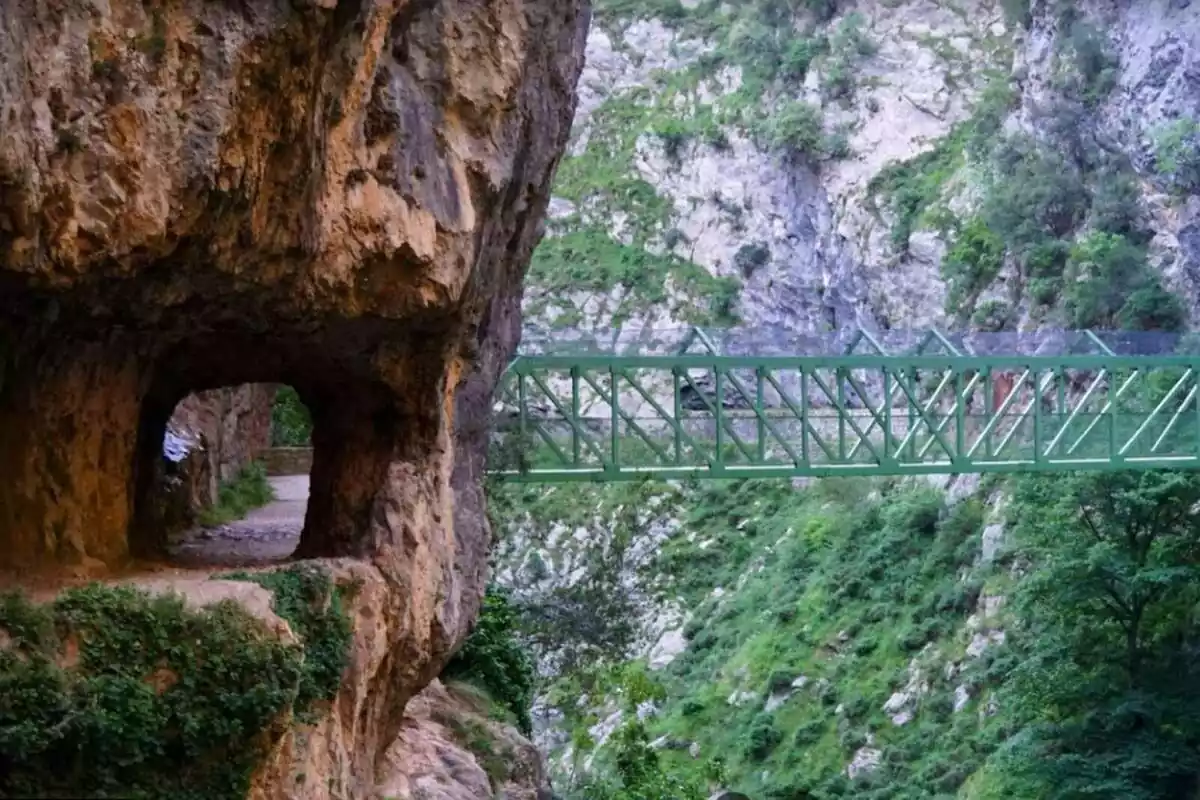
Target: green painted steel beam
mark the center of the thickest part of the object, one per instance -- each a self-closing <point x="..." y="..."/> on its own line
<point x="592" y="417"/>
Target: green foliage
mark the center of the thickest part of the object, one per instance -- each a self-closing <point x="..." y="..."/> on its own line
<point x="109" y="692"/>
<point x="848" y="44"/>
<point x="307" y="598"/>
<point x="632" y="768"/>
<point x="1094" y="67"/>
<point x="797" y="128"/>
<point x="992" y="317"/>
<point x="1116" y="205"/>
<point x="912" y="187"/>
<point x="838" y="588"/>
<point x="971" y="264"/>
<point x="1177" y="153"/>
<point x="1110" y="285"/>
<point x="291" y="424"/>
<point x="248" y="490"/>
<point x="1017" y="12"/>
<point x="1104" y="681"/>
<point x="493" y="659"/>
<point x="588" y="259"/>
<point x="1038" y="196"/>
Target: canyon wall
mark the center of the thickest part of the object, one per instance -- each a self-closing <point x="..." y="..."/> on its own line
<point x="339" y="196"/>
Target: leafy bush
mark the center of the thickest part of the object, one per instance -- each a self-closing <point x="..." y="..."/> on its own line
<point x="109" y="692"/>
<point x="971" y="263"/>
<point x="798" y="128"/>
<point x="493" y="659"/>
<point x="1103" y="685"/>
<point x="798" y="57"/>
<point x="1038" y="196"/>
<point x="993" y="316"/>
<point x="847" y="45"/>
<point x="1017" y="12"/>
<point x="248" y="490"/>
<point x="1111" y="285"/>
<point x="674" y="134"/>
<point x="291" y="423"/>
<point x="1116" y="205"/>
<point x="762" y="737"/>
<point x="1177" y="153"/>
<point x="911" y="187"/>
<point x="307" y="598"/>
<point x="1093" y="60"/>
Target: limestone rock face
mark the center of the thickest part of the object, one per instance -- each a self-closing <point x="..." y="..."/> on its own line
<point x="341" y="196"/>
<point x="338" y="195"/>
<point x="449" y="749"/>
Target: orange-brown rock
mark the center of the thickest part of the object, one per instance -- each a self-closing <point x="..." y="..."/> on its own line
<point x="231" y="427"/>
<point x="341" y="195"/>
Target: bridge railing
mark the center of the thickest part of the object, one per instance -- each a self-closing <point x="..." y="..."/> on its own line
<point x="620" y="417"/>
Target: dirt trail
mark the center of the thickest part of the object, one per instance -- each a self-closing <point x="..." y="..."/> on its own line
<point x="267" y="535"/>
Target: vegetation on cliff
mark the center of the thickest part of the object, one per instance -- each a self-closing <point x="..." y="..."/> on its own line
<point x="111" y="692"/>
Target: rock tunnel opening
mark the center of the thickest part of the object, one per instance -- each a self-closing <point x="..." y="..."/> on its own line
<point x="84" y="426"/>
<point x="232" y="486"/>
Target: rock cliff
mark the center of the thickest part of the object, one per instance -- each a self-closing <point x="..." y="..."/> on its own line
<point x="340" y="196"/>
<point x="802" y="167"/>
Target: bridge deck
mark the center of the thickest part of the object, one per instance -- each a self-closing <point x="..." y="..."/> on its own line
<point x="606" y="417"/>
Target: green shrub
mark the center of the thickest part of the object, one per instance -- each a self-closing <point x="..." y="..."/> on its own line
<point x="798" y="128"/>
<point x="1037" y="196"/>
<point x="750" y="257"/>
<point x="1111" y="285"/>
<point x="291" y="424"/>
<point x="1017" y="12"/>
<point x="1177" y="153"/>
<point x="589" y="259"/>
<point x="673" y="134"/>
<point x="971" y="263"/>
<point x="992" y="317"/>
<point x="307" y="598"/>
<point x="109" y="692"/>
<point x="1093" y="60"/>
<point x="912" y="187"/>
<point x="1116" y="205"/>
<point x="798" y="57"/>
<point x="761" y="738"/>
<point x="249" y="490"/>
<point x="494" y="660"/>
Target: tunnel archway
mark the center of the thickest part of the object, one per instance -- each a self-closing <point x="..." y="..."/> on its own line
<point x="232" y="484"/>
<point x="360" y="425"/>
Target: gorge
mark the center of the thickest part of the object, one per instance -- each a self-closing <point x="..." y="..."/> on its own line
<point x="341" y="198"/>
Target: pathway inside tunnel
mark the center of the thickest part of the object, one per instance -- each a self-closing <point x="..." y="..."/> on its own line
<point x="267" y="535"/>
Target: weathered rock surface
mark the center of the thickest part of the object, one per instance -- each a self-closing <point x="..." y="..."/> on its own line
<point x="232" y="426"/>
<point x="341" y="196"/>
<point x="449" y="749"/>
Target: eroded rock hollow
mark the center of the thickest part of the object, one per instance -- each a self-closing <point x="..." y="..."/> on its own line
<point x="337" y="195"/>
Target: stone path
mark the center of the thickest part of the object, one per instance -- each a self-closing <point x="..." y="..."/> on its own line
<point x="267" y="535"/>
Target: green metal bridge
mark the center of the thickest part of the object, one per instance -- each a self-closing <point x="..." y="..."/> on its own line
<point x="731" y="404"/>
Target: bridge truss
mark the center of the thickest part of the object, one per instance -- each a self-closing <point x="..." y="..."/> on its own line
<point x="861" y="404"/>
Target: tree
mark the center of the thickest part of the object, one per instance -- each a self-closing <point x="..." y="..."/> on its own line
<point x="1108" y="638"/>
<point x="635" y="771"/>
<point x="494" y="660"/>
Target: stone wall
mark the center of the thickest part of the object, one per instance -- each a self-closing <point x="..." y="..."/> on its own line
<point x="231" y="427"/>
<point x="288" y="460"/>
